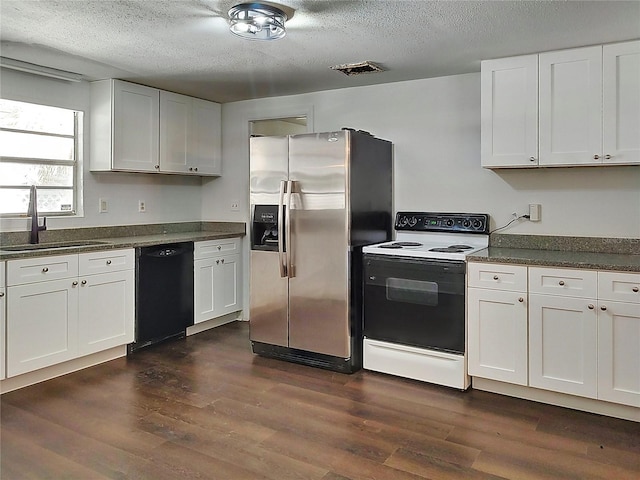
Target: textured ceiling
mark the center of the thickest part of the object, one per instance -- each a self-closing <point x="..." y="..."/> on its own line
<point x="185" y="45"/>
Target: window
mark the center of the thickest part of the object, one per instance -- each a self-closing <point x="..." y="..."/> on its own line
<point x="38" y="146"/>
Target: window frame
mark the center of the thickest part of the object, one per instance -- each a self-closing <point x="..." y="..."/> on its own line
<point x="76" y="185"/>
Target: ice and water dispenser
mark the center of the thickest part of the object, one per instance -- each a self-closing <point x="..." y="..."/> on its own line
<point x="264" y="229"/>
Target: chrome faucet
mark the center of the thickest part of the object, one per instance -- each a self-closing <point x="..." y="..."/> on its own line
<point x="33" y="213"/>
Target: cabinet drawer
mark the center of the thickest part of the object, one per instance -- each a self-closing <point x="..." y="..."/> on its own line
<point x="214" y="248"/>
<point x="106" y="261"/>
<point x="41" y="269"/>
<point x="563" y="282"/>
<point x="620" y="287"/>
<point x="497" y="276"/>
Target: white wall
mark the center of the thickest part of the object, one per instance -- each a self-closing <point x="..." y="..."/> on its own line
<point x="168" y="198"/>
<point x="435" y="127"/>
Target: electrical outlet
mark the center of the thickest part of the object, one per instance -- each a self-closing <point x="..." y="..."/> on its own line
<point x="234" y="206"/>
<point x="103" y="206"/>
<point x="535" y="211"/>
<point x="142" y="207"/>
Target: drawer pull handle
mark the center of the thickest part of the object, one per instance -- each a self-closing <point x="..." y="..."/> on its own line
<point x="603" y="308"/>
<point x="74" y="284"/>
<point x="495" y="277"/>
<point x="521" y="299"/>
<point x="108" y="262"/>
<point x="45" y="269"/>
<point x="561" y="283"/>
<point x="590" y="306"/>
<point x="84" y="282"/>
<point x="635" y="289"/>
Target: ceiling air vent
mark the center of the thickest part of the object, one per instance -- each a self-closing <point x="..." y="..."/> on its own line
<point x="358" y="68"/>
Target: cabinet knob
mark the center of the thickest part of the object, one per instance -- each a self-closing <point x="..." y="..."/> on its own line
<point x="191" y="169"/>
<point x="195" y="169"/>
<point x="217" y="262"/>
<point x="495" y="277"/>
<point x="596" y="157"/>
<point x="108" y="262"/>
<point x="561" y="283"/>
<point x="590" y="306"/>
<point x="1" y="294"/>
<point x="603" y="308"/>
<point x="222" y="261"/>
<point x="608" y="157"/>
<point x="635" y="289"/>
<point x="75" y="284"/>
<point x="521" y="299"/>
<point x="219" y="247"/>
<point x="84" y="282"/>
<point x="45" y="269"/>
<point x="532" y="159"/>
<point x="157" y="167"/>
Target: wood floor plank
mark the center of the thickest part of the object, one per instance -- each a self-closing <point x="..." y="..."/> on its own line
<point x="205" y="407"/>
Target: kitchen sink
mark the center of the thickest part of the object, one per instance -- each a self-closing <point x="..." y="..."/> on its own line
<point x="47" y="246"/>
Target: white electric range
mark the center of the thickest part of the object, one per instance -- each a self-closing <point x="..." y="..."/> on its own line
<point x="414" y="296"/>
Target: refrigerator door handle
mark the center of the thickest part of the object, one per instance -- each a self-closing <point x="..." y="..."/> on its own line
<point x="281" y="252"/>
<point x="287" y="221"/>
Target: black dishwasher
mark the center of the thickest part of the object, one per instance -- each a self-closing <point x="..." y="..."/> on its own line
<point x="164" y="293"/>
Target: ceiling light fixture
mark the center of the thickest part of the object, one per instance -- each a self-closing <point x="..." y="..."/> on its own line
<point x="257" y="21"/>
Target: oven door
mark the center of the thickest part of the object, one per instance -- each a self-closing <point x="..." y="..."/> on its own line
<point x="415" y="301"/>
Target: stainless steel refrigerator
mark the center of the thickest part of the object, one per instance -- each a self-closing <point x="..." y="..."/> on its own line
<point x="316" y="200"/>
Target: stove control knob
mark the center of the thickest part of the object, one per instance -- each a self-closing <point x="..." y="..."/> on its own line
<point x="402" y="221"/>
<point x="448" y="222"/>
<point x="477" y="224"/>
<point x="413" y="221"/>
<point x="466" y="223"/>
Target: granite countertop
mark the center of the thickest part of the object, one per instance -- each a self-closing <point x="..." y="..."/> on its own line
<point x="568" y="252"/>
<point x="109" y="238"/>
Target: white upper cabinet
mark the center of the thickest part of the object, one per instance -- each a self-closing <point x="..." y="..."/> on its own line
<point x="570" y="105"/>
<point x="124" y="127"/>
<point x="510" y="112"/>
<point x="142" y="129"/>
<point x="621" y="103"/>
<point x="565" y="108"/>
<point x="190" y="135"/>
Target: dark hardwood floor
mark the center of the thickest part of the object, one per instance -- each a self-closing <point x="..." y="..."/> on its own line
<point x="205" y="407"/>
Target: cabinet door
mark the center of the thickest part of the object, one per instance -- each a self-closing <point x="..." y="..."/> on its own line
<point x="621" y="103"/>
<point x="619" y="352"/>
<point x="563" y="344"/>
<point x="570" y="103"/>
<point x="203" y="295"/>
<point x="175" y="111"/>
<point x="106" y="311"/>
<point x="42" y="324"/>
<point x="205" y="142"/>
<point x="228" y="285"/>
<point x="509" y="106"/>
<point x="135" y="127"/>
<point x="497" y="325"/>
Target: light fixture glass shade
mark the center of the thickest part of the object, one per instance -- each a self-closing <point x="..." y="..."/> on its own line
<point x="257" y="21"/>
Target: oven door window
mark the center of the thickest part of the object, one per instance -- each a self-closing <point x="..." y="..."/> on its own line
<point x="416" y="302"/>
<point x="412" y="291"/>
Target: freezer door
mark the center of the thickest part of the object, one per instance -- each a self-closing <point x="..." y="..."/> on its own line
<point x="268" y="300"/>
<point x="268" y="290"/>
<point x="319" y="250"/>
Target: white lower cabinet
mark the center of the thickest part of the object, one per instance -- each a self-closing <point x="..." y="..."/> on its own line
<point x="497" y="341"/>
<point x="63" y="307"/>
<point x="217" y="279"/>
<point x="581" y="337"/>
<point x="106" y="307"/>
<point x="563" y="344"/>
